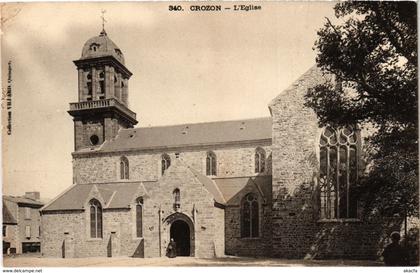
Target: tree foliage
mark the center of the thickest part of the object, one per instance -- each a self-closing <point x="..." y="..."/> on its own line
<point x="372" y="53"/>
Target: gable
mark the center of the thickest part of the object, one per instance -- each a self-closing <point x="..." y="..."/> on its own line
<point x="181" y="172"/>
<point x="234" y="188"/>
<point x="297" y="90"/>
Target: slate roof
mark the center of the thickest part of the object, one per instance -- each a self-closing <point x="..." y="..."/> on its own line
<point x="230" y="187"/>
<point x="115" y="195"/>
<point x="7" y="216"/>
<point x="120" y="194"/>
<point x="23" y="200"/>
<point x="190" y="134"/>
<point x="106" y="47"/>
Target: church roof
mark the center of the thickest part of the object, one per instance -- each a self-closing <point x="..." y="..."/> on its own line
<point x="23" y="200"/>
<point x="190" y="134"/>
<point x="101" y="46"/>
<point x="232" y="186"/>
<point x="114" y="194"/>
<point x="7" y="216"/>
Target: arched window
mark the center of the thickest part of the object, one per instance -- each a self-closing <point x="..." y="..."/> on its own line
<point x="95" y="219"/>
<point x="250" y="216"/>
<point x="124" y="168"/>
<point x="117" y="86"/>
<point x="211" y="163"/>
<point x="89" y="86"/>
<point x="101" y="85"/>
<point x="139" y="217"/>
<point x="338" y="173"/>
<point x="259" y="160"/>
<point x="177" y="199"/>
<point x="166" y="162"/>
<point x="177" y="196"/>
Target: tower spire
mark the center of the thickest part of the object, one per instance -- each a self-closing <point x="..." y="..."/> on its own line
<point x="103" y="32"/>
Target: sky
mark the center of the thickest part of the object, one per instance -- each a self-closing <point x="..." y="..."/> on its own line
<point x="187" y="67"/>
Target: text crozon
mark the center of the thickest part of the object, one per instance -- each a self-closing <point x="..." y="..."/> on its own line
<point x="206" y="8"/>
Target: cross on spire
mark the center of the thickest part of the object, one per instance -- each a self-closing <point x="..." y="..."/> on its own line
<point x="103" y="32"/>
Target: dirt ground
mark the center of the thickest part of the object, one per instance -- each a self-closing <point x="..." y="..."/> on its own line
<point x="31" y="261"/>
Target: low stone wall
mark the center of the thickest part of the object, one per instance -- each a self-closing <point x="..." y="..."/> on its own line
<point x="66" y="234"/>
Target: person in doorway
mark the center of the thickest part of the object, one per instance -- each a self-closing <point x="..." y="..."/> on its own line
<point x="171" y="250"/>
<point x="394" y="254"/>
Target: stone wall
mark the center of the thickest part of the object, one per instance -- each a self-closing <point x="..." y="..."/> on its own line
<point x="105" y="127"/>
<point x="69" y="230"/>
<point x="83" y="130"/>
<point x="232" y="160"/>
<point x="197" y="205"/>
<point x="294" y="167"/>
<point x="298" y="231"/>
<point x="18" y="232"/>
<point x="34" y="222"/>
<point x="12" y="237"/>
<point x="254" y="247"/>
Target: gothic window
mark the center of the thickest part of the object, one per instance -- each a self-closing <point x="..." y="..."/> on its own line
<point x="95" y="219"/>
<point x="124" y="168"/>
<point x="259" y="160"/>
<point x="166" y="162"/>
<point x="211" y="163"/>
<point x="101" y="85"/>
<point x="250" y="216"/>
<point x="338" y="173"/>
<point x="139" y="217"/>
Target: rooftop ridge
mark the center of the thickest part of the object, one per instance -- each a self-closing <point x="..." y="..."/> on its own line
<point x="206" y="122"/>
<point x="113" y="182"/>
<point x="20" y="196"/>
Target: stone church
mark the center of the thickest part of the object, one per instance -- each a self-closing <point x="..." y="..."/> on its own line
<point x="278" y="186"/>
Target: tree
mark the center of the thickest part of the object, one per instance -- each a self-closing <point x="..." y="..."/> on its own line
<point x="372" y="53"/>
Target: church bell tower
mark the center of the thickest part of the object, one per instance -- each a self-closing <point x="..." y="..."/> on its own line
<point x="102" y="107"/>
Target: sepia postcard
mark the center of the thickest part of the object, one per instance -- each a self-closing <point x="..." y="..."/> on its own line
<point x="216" y="133"/>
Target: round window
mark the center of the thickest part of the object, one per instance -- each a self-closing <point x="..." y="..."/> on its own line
<point x="94" y="139"/>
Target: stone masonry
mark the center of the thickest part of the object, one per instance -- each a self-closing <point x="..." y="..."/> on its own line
<point x="298" y="231"/>
<point x="210" y="207"/>
<point x="232" y="161"/>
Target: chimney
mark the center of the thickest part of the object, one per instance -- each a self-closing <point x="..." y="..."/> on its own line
<point x="35" y="195"/>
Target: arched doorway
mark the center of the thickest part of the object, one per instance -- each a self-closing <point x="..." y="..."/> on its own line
<point x="180" y="227"/>
<point x="180" y="232"/>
